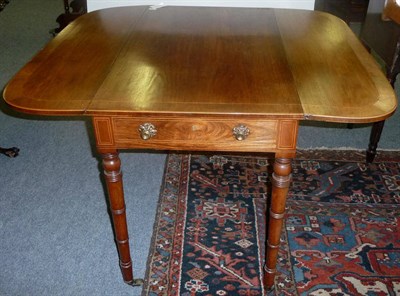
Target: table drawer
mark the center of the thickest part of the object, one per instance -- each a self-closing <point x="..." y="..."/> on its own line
<point x="178" y="133"/>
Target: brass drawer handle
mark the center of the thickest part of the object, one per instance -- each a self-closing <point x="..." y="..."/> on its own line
<point x="147" y="131"/>
<point x="241" y="132"/>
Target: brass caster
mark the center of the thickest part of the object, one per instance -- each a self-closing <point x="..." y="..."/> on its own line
<point x="136" y="283"/>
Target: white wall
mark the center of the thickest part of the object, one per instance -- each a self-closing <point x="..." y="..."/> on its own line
<point x="300" y="4"/>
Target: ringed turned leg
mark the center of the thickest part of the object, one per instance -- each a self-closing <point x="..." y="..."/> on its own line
<point x="281" y="178"/>
<point x="113" y="176"/>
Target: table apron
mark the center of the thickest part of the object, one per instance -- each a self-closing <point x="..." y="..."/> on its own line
<point x="196" y="133"/>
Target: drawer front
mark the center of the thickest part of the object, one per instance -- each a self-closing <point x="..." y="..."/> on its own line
<point x="177" y="133"/>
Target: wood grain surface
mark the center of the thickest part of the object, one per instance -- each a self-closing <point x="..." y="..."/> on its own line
<point x="297" y="64"/>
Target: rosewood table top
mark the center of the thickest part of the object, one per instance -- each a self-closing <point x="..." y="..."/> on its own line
<point x="217" y="79"/>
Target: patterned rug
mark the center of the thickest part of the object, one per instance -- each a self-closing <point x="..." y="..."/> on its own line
<point x="342" y="233"/>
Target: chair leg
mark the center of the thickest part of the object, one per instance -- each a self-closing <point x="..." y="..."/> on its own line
<point x="374" y="138"/>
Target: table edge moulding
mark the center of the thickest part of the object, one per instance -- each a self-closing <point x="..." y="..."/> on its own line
<point x="203" y="79"/>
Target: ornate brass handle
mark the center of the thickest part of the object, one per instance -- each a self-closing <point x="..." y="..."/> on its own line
<point x="241" y="132"/>
<point x="147" y="131"/>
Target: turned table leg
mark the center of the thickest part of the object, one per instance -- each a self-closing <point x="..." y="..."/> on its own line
<point x="113" y="176"/>
<point x="281" y="178"/>
<point x="375" y="136"/>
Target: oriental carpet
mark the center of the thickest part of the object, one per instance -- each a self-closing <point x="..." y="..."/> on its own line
<point x="341" y="234"/>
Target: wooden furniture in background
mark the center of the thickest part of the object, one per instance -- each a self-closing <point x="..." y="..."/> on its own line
<point x="72" y="10"/>
<point x="351" y="11"/>
<point x="3" y="4"/>
<point x="205" y="79"/>
<point x="391" y="11"/>
<point x="383" y="37"/>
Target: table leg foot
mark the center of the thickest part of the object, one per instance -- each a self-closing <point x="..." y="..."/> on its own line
<point x="281" y="178"/>
<point x="269" y="278"/>
<point x="113" y="176"/>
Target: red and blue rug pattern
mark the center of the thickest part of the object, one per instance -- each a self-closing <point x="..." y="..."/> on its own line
<point x="341" y="234"/>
